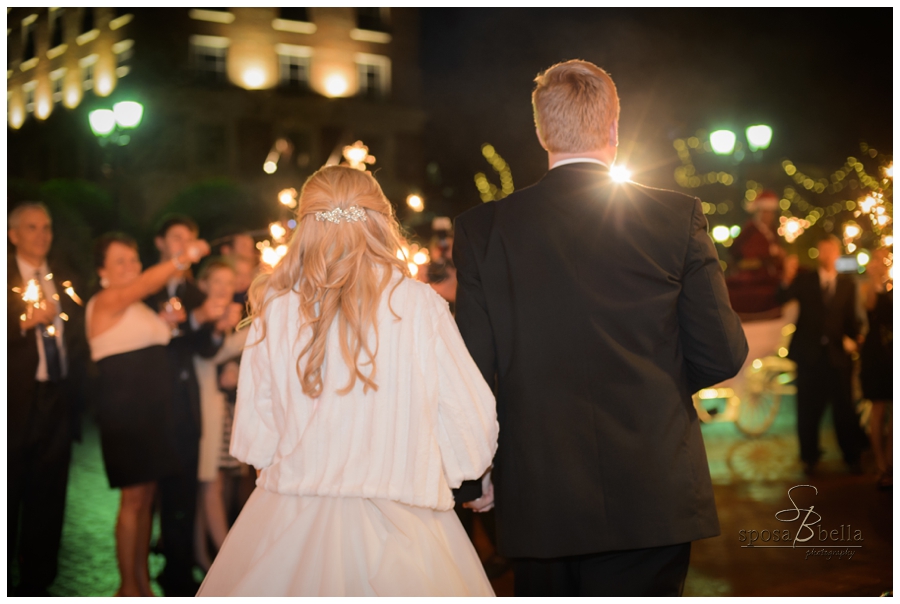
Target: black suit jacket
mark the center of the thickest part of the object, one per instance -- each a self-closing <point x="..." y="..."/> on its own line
<point x="599" y="308"/>
<point x="181" y="352"/>
<point x="22" y="352"/>
<point x="820" y="328"/>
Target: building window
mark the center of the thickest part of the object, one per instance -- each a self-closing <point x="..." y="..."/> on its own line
<point x="374" y="72"/>
<point x="293" y="62"/>
<point x="216" y="15"/>
<point x="87" y="20"/>
<point x="56" y="27"/>
<point x="28" y="48"/>
<point x="28" y="88"/>
<point x="88" y="82"/>
<point x="373" y="18"/>
<point x="123" y="50"/>
<point x="208" y="55"/>
<point x="87" y="71"/>
<point x="57" y="79"/>
<point x="295" y="13"/>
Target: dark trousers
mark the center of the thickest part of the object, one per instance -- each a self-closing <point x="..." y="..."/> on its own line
<point x="654" y="571"/>
<point x="178" y="501"/>
<point x="817" y="385"/>
<point x="37" y="476"/>
<point x="178" y="507"/>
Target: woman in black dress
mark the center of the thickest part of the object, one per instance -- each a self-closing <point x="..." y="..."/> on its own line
<point x="876" y="373"/>
<point x="128" y="342"/>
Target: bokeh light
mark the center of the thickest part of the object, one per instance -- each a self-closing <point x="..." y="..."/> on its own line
<point x="415" y="202"/>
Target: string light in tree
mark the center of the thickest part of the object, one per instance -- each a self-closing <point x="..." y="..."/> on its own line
<point x="488" y="190"/>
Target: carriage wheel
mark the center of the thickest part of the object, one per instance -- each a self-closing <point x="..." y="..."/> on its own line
<point x="762" y="398"/>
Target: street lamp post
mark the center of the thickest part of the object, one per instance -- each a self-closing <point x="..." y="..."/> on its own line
<point x="113" y="128"/>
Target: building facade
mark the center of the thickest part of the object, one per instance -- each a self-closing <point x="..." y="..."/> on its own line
<point x="226" y="91"/>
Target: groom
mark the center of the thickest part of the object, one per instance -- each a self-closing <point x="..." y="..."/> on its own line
<point x="598" y="308"/>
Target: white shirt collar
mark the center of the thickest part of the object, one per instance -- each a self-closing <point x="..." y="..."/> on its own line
<point x="27" y="271"/>
<point x="826" y="277"/>
<point x="578" y="160"/>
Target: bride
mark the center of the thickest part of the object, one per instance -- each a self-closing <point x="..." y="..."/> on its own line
<point x="362" y="408"/>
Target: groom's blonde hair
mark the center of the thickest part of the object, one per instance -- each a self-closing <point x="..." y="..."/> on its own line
<point x="575" y="105"/>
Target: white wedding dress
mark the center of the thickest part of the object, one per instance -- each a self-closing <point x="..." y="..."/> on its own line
<point x="354" y="497"/>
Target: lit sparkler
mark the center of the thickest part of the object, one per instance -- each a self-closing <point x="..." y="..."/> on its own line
<point x="357" y="156"/>
<point x="792" y="228"/>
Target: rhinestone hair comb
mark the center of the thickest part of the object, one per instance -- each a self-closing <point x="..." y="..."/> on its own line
<point x="337" y="215"/>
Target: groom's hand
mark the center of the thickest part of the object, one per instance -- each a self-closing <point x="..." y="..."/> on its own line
<point x="486" y="501"/>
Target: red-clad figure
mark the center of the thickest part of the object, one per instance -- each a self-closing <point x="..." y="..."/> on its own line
<point x="759" y="257"/>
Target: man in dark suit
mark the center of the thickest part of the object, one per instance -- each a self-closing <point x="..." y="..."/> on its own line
<point x="599" y="307"/>
<point x="197" y="335"/>
<point x="45" y="351"/>
<point x="827" y="330"/>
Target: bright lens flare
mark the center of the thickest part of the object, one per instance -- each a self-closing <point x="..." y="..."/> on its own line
<point x="269" y="167"/>
<point x="889" y="171"/>
<point x="415" y="202"/>
<point x="863" y="258"/>
<point x="620" y="173"/>
<point x="852" y="231"/>
<point x="420" y="257"/>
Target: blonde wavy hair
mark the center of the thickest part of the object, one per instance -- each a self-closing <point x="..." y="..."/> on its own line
<point x="340" y="269"/>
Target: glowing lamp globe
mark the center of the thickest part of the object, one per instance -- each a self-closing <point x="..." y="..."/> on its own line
<point x="128" y="114"/>
<point x="722" y="141"/>
<point x="721" y="233"/>
<point x="254" y="78"/>
<point x="335" y="85"/>
<point x="759" y="137"/>
<point x="103" y="121"/>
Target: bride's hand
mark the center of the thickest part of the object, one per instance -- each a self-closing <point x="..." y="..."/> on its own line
<point x="486" y="501"/>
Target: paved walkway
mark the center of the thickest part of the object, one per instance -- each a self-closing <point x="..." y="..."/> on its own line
<point x="751" y="477"/>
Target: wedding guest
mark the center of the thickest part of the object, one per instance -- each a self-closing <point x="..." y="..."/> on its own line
<point x="827" y="330"/>
<point x="759" y="256"/>
<point x="44" y="348"/>
<point x="598" y="307"/>
<point x="877" y="366"/>
<point x="196" y="335"/>
<point x="217" y="281"/>
<point x="128" y="342"/>
<point x="244" y="272"/>
<point x="358" y="402"/>
<point x="241" y="245"/>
